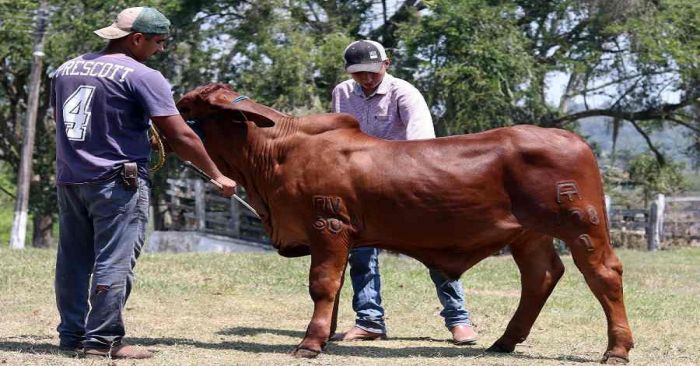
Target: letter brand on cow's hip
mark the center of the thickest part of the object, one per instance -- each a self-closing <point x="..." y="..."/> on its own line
<point x="567" y="189"/>
<point x="577" y="214"/>
<point x="593" y="215"/>
<point x="327" y="204"/>
<point x="585" y="239"/>
<point x="333" y="225"/>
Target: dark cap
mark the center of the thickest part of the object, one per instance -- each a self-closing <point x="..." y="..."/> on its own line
<point x="364" y="55"/>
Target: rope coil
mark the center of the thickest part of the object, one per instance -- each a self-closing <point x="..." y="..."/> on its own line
<point x="161" y="150"/>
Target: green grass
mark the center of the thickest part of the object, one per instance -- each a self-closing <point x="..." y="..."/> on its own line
<point x="7" y="214"/>
<point x="252" y="309"/>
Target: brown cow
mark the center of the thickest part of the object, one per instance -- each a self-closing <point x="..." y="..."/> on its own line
<point x="322" y="186"/>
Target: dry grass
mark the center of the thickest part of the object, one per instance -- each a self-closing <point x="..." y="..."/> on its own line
<point x="251" y="309"/>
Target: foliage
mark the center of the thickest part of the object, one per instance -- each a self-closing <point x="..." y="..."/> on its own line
<point x="472" y="63"/>
<point x="668" y="179"/>
<point x="480" y="64"/>
<point x="486" y="64"/>
<point x="620" y="189"/>
<point x="70" y="22"/>
<point x="285" y="54"/>
<point x="6" y="205"/>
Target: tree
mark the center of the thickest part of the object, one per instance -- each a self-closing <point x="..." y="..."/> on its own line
<point x="480" y="64"/>
<point x="285" y="54"/>
<point x="653" y="178"/>
<point x="15" y="63"/>
<point x="472" y="63"/>
<point x="484" y="64"/>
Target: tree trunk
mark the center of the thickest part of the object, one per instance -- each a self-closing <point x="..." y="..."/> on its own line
<point x="42" y="234"/>
<point x="566" y="96"/>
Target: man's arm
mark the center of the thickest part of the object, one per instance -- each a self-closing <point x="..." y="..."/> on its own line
<point x="335" y="100"/>
<point x="414" y="111"/>
<point x="187" y="145"/>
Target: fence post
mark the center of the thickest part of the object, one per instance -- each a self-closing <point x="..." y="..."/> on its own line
<point x="608" y="204"/>
<point x="656" y="223"/>
<point x="200" y="209"/>
<point x="661" y="204"/>
<point x="234" y="223"/>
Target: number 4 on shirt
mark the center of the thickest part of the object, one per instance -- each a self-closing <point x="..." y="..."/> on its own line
<point x="76" y="112"/>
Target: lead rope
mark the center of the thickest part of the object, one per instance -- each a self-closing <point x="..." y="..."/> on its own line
<point x="161" y="150"/>
<point x="206" y="176"/>
<point x="161" y="162"/>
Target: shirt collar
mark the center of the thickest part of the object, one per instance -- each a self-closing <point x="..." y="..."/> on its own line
<point x="382" y="89"/>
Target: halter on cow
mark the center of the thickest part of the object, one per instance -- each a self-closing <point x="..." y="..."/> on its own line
<point x="322" y="186"/>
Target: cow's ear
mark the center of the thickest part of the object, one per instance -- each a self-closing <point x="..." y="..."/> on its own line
<point x="243" y="109"/>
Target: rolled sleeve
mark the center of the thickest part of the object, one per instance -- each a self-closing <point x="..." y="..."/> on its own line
<point x="335" y="107"/>
<point x="414" y="111"/>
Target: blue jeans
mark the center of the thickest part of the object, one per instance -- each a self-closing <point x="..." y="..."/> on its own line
<point x="102" y="230"/>
<point x="367" y="298"/>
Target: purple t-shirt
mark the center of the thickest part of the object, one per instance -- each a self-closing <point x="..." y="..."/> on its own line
<point x="103" y="104"/>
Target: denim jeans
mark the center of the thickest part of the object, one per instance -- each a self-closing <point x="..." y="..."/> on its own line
<point x="101" y="233"/>
<point x="367" y="298"/>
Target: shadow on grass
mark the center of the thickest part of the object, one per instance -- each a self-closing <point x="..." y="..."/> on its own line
<point x="356" y="350"/>
<point x="24" y="344"/>
<point x="247" y="331"/>
<point x="353" y="349"/>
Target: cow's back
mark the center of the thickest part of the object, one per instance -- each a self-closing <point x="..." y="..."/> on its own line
<point x="452" y="188"/>
<point x="465" y="192"/>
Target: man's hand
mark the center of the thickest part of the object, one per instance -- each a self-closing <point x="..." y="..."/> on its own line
<point x="189" y="148"/>
<point x="226" y="185"/>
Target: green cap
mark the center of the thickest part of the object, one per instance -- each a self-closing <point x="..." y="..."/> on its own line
<point x="140" y="19"/>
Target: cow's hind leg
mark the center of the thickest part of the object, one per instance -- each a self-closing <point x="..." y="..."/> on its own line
<point x="540" y="270"/>
<point x="602" y="270"/>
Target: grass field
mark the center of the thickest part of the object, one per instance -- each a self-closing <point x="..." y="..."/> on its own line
<point x="251" y="309"/>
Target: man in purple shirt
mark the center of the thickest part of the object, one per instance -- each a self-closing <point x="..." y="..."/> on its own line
<point x="103" y="102"/>
<point x="392" y="109"/>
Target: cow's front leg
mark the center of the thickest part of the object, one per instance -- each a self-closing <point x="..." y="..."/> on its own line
<point x="329" y="255"/>
<point x="336" y="303"/>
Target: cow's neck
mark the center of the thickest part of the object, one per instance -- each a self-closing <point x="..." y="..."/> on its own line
<point x="266" y="148"/>
<point x="252" y="154"/>
<point x="269" y="113"/>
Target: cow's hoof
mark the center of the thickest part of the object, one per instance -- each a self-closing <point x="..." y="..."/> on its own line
<point x="501" y="348"/>
<point x="610" y="359"/>
<point x="302" y="352"/>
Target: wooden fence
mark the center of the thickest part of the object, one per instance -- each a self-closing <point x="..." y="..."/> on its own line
<point x="674" y="219"/>
<point x="196" y="206"/>
<point x="668" y="221"/>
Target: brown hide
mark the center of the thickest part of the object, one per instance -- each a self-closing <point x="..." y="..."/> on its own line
<point x="322" y="186"/>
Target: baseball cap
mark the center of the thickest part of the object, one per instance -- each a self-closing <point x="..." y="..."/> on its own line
<point x="140" y="19"/>
<point x="364" y="55"/>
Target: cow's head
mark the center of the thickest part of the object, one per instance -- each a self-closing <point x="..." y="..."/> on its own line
<point x="220" y="102"/>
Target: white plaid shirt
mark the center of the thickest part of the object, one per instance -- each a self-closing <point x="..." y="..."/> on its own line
<point x="396" y="110"/>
